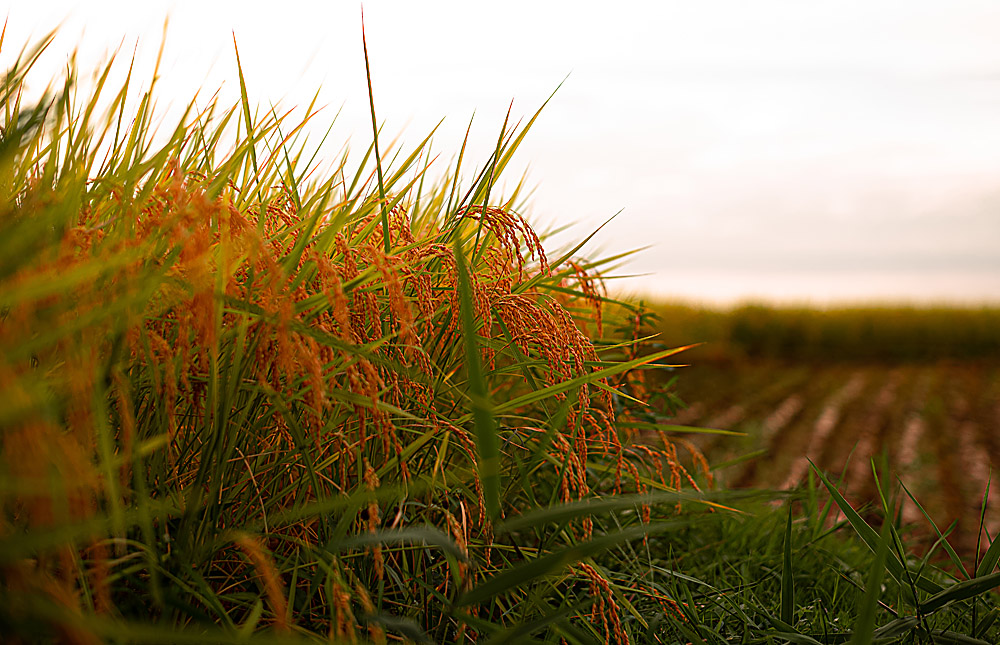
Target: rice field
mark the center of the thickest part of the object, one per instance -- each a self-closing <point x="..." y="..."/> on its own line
<point x="934" y="422"/>
<point x="247" y="402"/>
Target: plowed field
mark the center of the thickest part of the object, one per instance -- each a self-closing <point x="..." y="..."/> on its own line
<point x="939" y="425"/>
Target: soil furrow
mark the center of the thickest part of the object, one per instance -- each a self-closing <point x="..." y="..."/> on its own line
<point x="792" y="438"/>
<point x="938" y="423"/>
<point x="910" y="455"/>
<point x="824" y="426"/>
<point x="870" y="423"/>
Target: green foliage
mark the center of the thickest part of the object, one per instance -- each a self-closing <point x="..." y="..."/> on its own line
<point x="738" y="574"/>
<point x="885" y="333"/>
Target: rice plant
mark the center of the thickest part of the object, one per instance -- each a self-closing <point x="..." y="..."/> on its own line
<point x="243" y="401"/>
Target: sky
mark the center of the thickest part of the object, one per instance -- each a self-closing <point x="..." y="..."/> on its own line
<point x="802" y="152"/>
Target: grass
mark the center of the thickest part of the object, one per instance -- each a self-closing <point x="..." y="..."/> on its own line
<point x="246" y="403"/>
<point x="789" y="573"/>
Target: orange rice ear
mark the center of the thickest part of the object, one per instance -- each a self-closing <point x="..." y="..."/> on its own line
<point x="270" y="578"/>
<point x="605" y="610"/>
<point x="591" y="285"/>
<point x="507" y="226"/>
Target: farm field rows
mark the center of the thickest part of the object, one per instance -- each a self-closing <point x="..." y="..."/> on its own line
<point x="936" y="423"/>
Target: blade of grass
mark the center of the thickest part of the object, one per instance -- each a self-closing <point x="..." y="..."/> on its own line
<point x="561" y="513"/>
<point x="378" y="158"/>
<point x="412" y="535"/>
<point x="865" y="625"/>
<point x="955" y="559"/>
<point x="514" y="577"/>
<point x="567" y="385"/>
<point x="960" y="591"/>
<point x="870" y="537"/>
<point x="787" y="579"/>
<point x="487" y="441"/>
<point x="244" y="98"/>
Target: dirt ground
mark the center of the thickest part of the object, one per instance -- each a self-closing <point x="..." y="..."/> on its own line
<point x="938" y="425"/>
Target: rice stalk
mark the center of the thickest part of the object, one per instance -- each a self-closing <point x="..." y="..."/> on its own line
<point x="200" y="343"/>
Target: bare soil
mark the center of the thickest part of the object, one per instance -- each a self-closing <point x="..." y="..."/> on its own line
<point x="937" y="426"/>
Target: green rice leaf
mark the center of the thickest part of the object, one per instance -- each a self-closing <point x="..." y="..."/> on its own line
<point x="518" y="575"/>
<point x="487" y="441"/>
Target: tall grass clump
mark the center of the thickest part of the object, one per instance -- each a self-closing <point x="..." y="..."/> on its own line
<point x="819" y="571"/>
<point x="243" y="401"/>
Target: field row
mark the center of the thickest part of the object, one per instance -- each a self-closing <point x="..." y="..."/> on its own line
<point x="936" y="424"/>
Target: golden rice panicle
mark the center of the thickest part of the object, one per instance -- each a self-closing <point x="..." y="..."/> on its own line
<point x="400" y="232"/>
<point x="573" y="484"/>
<point x="537" y="327"/>
<point x="605" y="610"/>
<point x="269" y="576"/>
<point x="551" y="331"/>
<point x="591" y="285"/>
<point x="697" y="457"/>
<point x="667" y="604"/>
<point x="507" y="227"/>
<point x="372" y="520"/>
<point x="469" y="449"/>
<point x="342" y="629"/>
<point x="375" y="631"/>
<point x="413" y="353"/>
<point x="459" y="531"/>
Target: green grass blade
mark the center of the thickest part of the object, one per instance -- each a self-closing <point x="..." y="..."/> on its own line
<point x="519" y="633"/>
<point x="865" y="625"/>
<point x="487" y="441"/>
<point x="794" y="637"/>
<point x="990" y="558"/>
<point x="378" y="159"/>
<point x="668" y="427"/>
<point x="514" y="577"/>
<point x="960" y="591"/>
<point x="248" y="120"/>
<point x="870" y="537"/>
<point x="992" y="555"/>
<point x="955" y="560"/>
<point x="787" y="579"/>
<point x="414" y="535"/>
<point x="570" y="384"/>
<point x="896" y="629"/>
<point x="945" y="637"/>
<point x="571" y="510"/>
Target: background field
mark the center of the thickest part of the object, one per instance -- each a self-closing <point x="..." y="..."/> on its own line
<point x="842" y="386"/>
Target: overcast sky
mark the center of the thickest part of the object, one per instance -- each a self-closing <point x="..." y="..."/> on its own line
<point x="799" y="151"/>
